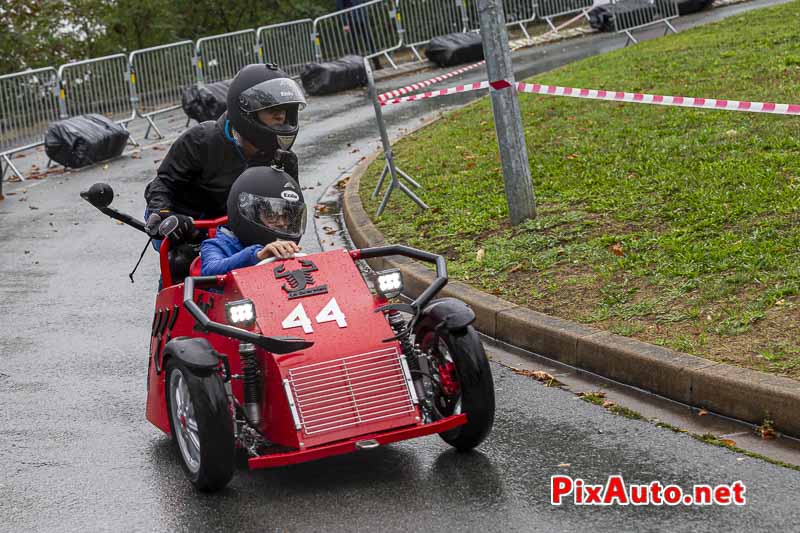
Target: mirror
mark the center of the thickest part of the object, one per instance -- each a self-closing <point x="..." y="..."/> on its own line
<point x="99" y="195"/>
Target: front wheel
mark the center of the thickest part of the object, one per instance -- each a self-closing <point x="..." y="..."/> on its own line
<point x="201" y="424"/>
<point x="462" y="383"/>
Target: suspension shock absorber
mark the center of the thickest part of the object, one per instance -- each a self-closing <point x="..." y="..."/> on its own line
<point x="247" y="354"/>
<point x="398" y="324"/>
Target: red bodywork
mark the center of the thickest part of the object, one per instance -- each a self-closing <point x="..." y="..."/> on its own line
<point x="350" y="386"/>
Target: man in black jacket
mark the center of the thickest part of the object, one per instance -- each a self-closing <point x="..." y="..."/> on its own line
<point x="258" y="129"/>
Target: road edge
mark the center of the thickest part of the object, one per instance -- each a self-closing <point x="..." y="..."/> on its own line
<point x="727" y="390"/>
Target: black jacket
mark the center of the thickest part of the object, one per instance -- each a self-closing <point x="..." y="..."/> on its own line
<point x="198" y="171"/>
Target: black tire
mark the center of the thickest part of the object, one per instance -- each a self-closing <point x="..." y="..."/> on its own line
<point x="207" y="452"/>
<point x="474" y="378"/>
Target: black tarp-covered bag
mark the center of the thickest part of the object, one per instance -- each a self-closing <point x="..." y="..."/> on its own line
<point x="455" y="49"/>
<point x="207" y="102"/>
<point x="83" y="140"/>
<point x="340" y="75"/>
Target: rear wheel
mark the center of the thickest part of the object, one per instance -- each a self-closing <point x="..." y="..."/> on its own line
<point x="201" y="424"/>
<point x="462" y="383"/>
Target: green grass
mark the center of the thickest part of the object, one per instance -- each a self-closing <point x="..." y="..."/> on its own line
<point x="675" y="226"/>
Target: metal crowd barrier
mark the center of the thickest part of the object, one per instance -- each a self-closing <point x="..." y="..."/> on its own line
<point x="422" y="20"/>
<point x="158" y="77"/>
<point x="289" y="45"/>
<point x="219" y="58"/>
<point x="519" y="12"/>
<point x="99" y="86"/>
<point x="369" y="30"/>
<point x="631" y="15"/>
<point x="28" y="103"/>
<point x="550" y="9"/>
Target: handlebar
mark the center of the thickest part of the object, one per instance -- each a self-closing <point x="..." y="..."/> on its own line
<point x="413" y="253"/>
<point x="276" y="345"/>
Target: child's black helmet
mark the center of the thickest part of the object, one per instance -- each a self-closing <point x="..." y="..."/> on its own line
<point x="258" y="87"/>
<point x="265" y="205"/>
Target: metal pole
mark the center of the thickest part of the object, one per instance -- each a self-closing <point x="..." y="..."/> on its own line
<point x="390" y="169"/>
<point x="507" y="119"/>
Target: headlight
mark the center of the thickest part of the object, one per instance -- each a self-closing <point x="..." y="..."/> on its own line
<point x="241" y="313"/>
<point x="389" y="283"/>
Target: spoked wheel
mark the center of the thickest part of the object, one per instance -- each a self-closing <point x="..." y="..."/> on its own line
<point x="462" y="383"/>
<point x="201" y="424"/>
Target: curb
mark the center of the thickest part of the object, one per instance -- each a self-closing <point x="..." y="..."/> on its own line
<point x="731" y="391"/>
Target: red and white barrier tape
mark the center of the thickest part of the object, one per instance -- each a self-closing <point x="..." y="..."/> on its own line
<point x="417" y="86"/>
<point x="521" y="44"/>
<point x="614" y="96"/>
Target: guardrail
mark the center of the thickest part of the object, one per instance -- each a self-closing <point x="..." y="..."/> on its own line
<point x="158" y="77"/>
<point x="549" y="9"/>
<point x="422" y="20"/>
<point x="220" y="57"/>
<point x="28" y="103"/>
<point x="99" y="86"/>
<point x="369" y="30"/>
<point x="632" y="15"/>
<point x="519" y="12"/>
<point x="289" y="45"/>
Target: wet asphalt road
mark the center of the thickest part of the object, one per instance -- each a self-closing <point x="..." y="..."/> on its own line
<point x="76" y="452"/>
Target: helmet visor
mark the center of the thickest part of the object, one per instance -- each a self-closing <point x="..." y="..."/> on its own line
<point x="285" y="217"/>
<point x="272" y="93"/>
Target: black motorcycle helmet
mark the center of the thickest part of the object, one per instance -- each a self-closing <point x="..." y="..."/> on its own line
<point x="264" y="205"/>
<point x="258" y="87"/>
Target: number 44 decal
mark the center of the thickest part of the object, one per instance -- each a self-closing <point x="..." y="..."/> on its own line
<point x="299" y="319"/>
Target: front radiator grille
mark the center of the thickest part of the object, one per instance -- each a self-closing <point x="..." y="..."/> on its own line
<point x="351" y="391"/>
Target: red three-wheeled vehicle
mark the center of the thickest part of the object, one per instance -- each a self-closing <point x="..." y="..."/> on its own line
<point x="299" y="359"/>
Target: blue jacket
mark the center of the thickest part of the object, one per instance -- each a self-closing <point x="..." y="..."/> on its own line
<point x="225" y="252"/>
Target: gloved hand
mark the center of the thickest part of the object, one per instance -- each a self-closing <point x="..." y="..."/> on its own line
<point x="178" y="228"/>
<point x="153" y="221"/>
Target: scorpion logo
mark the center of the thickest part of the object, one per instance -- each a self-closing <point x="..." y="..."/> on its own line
<point x="298" y="280"/>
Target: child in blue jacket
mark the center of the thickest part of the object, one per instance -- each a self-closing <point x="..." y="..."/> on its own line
<point x="266" y="218"/>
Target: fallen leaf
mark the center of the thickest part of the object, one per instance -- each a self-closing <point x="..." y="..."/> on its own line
<point x="32" y="207"/>
<point x="516" y="268"/>
<point x="23" y="199"/>
<point x="480" y="255"/>
<point x="572" y="156"/>
<point x="120" y="223"/>
<point x="354" y="150"/>
<point x="11" y="193"/>
<point x="702" y="412"/>
<point x="564" y="465"/>
<point x="728" y="442"/>
<point x="158" y="148"/>
<point x="616" y="249"/>
<point x="329" y="230"/>
<point x="19" y="156"/>
<point x="596" y="394"/>
<point x="766" y="432"/>
<point x="539" y="375"/>
<point x="608" y="403"/>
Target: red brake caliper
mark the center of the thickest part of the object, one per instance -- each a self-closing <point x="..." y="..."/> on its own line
<point x="447" y="374"/>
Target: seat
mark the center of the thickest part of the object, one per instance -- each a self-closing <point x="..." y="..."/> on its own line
<point x="196" y="267"/>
